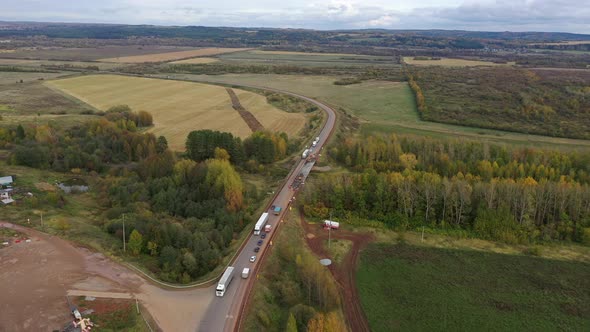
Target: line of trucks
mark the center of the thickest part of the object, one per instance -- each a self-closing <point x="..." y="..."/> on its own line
<point x="261" y="225"/>
<point x="307" y="152"/>
<point x="228" y="275"/>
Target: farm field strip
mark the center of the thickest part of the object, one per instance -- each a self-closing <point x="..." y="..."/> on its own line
<point x="300" y="53"/>
<point x="179" y="107"/>
<point x="308" y="59"/>
<point x="41" y="63"/>
<point x="447" y="62"/>
<point x="195" y="61"/>
<point x="169" y="56"/>
<point x="90" y="53"/>
<point x="11" y="78"/>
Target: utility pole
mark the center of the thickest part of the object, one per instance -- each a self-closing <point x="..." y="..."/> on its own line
<point x="422" y="234"/>
<point x="124" y="246"/>
<point x="330" y="231"/>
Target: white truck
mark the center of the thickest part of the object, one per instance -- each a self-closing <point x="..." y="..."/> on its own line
<point x="225" y="280"/>
<point x="260" y="223"/>
<point x="315" y="141"/>
<point x="331" y="224"/>
<point x="305" y="153"/>
<point x="245" y="273"/>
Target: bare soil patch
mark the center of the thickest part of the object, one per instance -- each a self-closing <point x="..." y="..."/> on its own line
<point x="343" y="272"/>
<point x="248" y="117"/>
<point x="36" y="276"/>
<point x="45" y="186"/>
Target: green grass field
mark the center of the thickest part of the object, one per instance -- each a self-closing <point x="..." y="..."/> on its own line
<point x="82" y="212"/>
<point x="13" y="78"/>
<point x="413" y="288"/>
<point x="32" y="102"/>
<point x="382" y="107"/>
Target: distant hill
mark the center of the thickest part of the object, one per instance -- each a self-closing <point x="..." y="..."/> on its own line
<point x="293" y="38"/>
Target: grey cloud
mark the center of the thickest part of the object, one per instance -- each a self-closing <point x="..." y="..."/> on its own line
<point x="519" y="15"/>
<point x="516" y="15"/>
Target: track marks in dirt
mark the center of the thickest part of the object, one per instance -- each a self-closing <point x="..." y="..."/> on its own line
<point x="344" y="273"/>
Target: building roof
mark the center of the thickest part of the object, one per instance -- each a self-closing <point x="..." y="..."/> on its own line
<point x="4" y="180"/>
<point x="7" y="200"/>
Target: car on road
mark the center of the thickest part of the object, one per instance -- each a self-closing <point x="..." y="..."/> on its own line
<point x="263" y="235"/>
<point x="257" y="249"/>
<point x="260" y="242"/>
<point x="252" y="259"/>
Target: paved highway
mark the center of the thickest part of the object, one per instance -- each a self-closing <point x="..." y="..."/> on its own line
<point x="223" y="313"/>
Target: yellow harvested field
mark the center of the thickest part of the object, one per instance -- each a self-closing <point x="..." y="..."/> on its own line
<point x="171" y="56"/>
<point x="446" y="62"/>
<point x="179" y="107"/>
<point x="300" y="53"/>
<point x="6" y="51"/>
<point x="290" y="123"/>
<point x="195" y="61"/>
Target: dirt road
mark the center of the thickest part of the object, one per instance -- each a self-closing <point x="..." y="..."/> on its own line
<point x="35" y="277"/>
<point x="343" y="272"/>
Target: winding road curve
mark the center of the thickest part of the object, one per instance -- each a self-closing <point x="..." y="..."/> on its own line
<point x="225" y="313"/>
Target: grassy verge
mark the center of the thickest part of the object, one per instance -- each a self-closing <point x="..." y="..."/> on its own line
<point x="404" y="287"/>
<point x="338" y="249"/>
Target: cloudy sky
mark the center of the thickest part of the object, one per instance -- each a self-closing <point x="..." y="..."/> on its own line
<point x="490" y="15"/>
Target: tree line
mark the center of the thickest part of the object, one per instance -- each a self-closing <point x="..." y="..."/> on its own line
<point x="509" y="194"/>
<point x="91" y="146"/>
<point x="262" y="147"/>
<point x="448" y="157"/>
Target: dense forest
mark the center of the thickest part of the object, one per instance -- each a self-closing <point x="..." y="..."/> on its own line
<point x="181" y="214"/>
<point x="542" y="101"/>
<point x="515" y="195"/>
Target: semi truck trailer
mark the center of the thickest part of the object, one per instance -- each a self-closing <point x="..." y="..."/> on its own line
<point x="305" y="153"/>
<point x="225" y="280"/>
<point x="260" y="223"/>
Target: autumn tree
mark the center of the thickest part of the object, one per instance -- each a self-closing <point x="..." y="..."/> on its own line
<point x="222" y="178"/>
<point x="291" y="324"/>
<point x="135" y="243"/>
